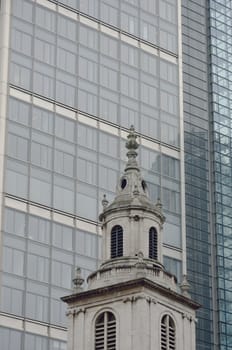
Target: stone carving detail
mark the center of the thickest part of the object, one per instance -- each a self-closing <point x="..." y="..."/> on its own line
<point x="184" y="287"/>
<point x="75" y="311"/>
<point x="105" y="202"/>
<point x="135" y="298"/>
<point x="78" y="280"/>
<point x="189" y="317"/>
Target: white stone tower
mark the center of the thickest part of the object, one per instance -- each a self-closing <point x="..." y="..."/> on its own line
<point x="131" y="302"/>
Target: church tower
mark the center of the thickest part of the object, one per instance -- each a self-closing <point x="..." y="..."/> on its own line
<point x="131" y="302"/>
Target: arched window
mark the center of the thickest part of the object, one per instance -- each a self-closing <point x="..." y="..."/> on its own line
<point x="153" y="246"/>
<point x="168" y="333"/>
<point x="105" y="332"/>
<point x="116" y="241"/>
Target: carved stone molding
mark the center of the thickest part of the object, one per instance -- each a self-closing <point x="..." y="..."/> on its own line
<point x="75" y="311"/>
<point x="135" y="298"/>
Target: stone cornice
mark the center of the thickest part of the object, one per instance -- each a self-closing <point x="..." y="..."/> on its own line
<point x="128" y="286"/>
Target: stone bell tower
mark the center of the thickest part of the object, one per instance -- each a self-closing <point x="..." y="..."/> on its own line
<point x="131" y="301"/>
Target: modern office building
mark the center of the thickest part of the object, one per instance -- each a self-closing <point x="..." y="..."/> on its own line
<point x="74" y="75"/>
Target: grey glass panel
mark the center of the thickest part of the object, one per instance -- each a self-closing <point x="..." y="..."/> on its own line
<point x="174" y="266"/>
<point x="108" y="109"/>
<point x="87" y="244"/>
<point x="19" y="111"/>
<point x="45" y="18"/>
<point x="168" y="10"/>
<point x="62" y="236"/>
<point x="16" y="179"/>
<point x="149" y="6"/>
<point x="87" y="171"/>
<point x="64" y="128"/>
<point x="39" y="229"/>
<point x="66" y="27"/>
<point x="22" y="10"/>
<point x="19" y="74"/>
<point x="65" y="93"/>
<point x="170" y="167"/>
<point x="129" y="20"/>
<point x="35" y="342"/>
<point x="38" y="268"/>
<point x="21" y="39"/>
<point x="108" y="46"/>
<point x="61" y="274"/>
<point x="90" y="7"/>
<point x="168" y="72"/>
<point x="15" y="222"/>
<point x="148" y="63"/>
<point x="10" y="339"/>
<point x="108" y="144"/>
<point x="66" y="60"/>
<point x="107" y="178"/>
<point x="13" y="261"/>
<point x="42" y="120"/>
<point x="63" y="193"/>
<point x="58" y="311"/>
<point x="71" y="3"/>
<point x="12" y="301"/>
<point x="64" y="163"/>
<point x="87" y="136"/>
<point x="57" y="345"/>
<point x="149" y="28"/>
<point x="41" y="155"/>
<point x="40" y="186"/>
<point x="43" y="80"/>
<point x="88" y="37"/>
<point x="44" y="51"/>
<point x="150" y="160"/>
<point x="86" y="201"/>
<point x="37" y="307"/>
<point x="88" y="69"/>
<point x="109" y="13"/>
<point x="172" y="235"/>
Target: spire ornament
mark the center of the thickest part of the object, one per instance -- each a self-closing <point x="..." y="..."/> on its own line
<point x="132" y="146"/>
<point x="105" y="202"/>
<point x="185" y="287"/>
<point x="78" y="280"/>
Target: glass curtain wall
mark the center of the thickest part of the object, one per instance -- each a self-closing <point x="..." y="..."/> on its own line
<point x="221" y="106"/>
<point x="197" y="165"/>
<point x="81" y="72"/>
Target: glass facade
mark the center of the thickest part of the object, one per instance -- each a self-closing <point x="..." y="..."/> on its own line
<point x="199" y="234"/>
<point x="80" y="73"/>
<point x="221" y="106"/>
<point x="206" y="28"/>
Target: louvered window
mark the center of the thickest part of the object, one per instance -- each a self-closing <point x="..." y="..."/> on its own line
<point x="153" y="245"/>
<point x="168" y="333"/>
<point x="116" y="241"/>
<point x="105" y="332"/>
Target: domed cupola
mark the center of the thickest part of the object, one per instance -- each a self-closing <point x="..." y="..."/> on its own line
<point x="132" y="189"/>
<point x="131" y="230"/>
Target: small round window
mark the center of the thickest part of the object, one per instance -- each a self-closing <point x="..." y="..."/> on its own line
<point x="123" y="183"/>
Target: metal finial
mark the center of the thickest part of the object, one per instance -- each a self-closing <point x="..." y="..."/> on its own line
<point x="78" y="280"/>
<point x="104" y="202"/>
<point x="132" y="145"/>
<point x="185" y="287"/>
